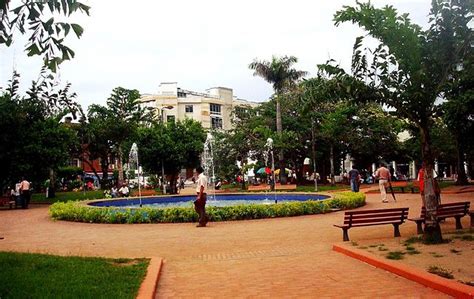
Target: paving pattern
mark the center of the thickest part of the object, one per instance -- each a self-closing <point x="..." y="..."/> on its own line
<point x="285" y="257"/>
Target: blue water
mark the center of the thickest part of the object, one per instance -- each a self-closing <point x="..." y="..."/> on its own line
<point x="220" y="200"/>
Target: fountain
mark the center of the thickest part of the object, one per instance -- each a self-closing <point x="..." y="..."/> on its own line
<point x="208" y="164"/>
<point x="269" y="146"/>
<point x="133" y="159"/>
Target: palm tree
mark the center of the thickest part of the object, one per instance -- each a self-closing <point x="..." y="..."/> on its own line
<point x="282" y="76"/>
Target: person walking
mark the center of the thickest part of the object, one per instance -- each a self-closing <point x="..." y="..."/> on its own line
<point x="24" y="193"/>
<point x="200" y="202"/>
<point x="383" y="174"/>
<point x="354" y="179"/>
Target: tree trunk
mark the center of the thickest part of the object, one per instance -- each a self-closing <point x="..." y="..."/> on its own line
<point x="93" y="169"/>
<point x="105" y="173"/>
<point x="461" y="173"/>
<point x="120" y="166"/>
<point x="173" y="189"/>
<point x="52" y="180"/>
<point x="331" y="160"/>
<point x="279" y="128"/>
<point x="432" y="231"/>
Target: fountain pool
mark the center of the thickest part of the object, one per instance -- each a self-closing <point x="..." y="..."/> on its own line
<point x="222" y="200"/>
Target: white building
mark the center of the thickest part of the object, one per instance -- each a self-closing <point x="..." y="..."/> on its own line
<point x="212" y="109"/>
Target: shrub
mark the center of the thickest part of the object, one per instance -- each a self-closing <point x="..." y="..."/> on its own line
<point x="80" y="212"/>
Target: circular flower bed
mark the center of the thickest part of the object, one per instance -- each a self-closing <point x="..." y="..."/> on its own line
<point x="80" y="212"/>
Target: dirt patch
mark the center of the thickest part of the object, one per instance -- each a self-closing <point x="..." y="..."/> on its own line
<point x="453" y="260"/>
<point x="126" y="262"/>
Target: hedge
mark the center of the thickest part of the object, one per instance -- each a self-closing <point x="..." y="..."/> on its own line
<point x="80" y="212"/>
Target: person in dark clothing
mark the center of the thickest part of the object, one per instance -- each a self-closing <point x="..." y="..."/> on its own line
<point x="354" y="179"/>
<point x="200" y="202"/>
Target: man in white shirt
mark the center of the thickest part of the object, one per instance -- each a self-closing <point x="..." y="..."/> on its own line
<point x="200" y="203"/>
<point x="124" y="190"/>
<point x="24" y="193"/>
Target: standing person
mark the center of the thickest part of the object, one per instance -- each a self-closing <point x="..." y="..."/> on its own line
<point x="383" y="174"/>
<point x="354" y="179"/>
<point x="24" y="193"/>
<point x="200" y="203"/>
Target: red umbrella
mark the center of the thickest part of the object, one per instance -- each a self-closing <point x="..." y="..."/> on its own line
<point x="268" y="170"/>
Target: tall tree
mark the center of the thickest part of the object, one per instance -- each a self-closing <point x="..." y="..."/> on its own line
<point x="111" y="126"/>
<point x="280" y="73"/>
<point x="409" y="70"/>
<point x="46" y="36"/>
<point x="124" y="107"/>
<point x="33" y="142"/>
<point x="176" y="145"/>
<point x="458" y="111"/>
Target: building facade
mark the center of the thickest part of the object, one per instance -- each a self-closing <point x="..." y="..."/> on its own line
<point x="212" y="109"/>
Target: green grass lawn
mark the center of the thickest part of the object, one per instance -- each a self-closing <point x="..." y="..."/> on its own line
<point x="25" y="275"/>
<point x="65" y="196"/>
<point x="321" y="188"/>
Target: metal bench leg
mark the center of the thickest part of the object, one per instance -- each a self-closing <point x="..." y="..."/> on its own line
<point x="396" y="231"/>
<point x="458" y="223"/>
<point x="345" y="235"/>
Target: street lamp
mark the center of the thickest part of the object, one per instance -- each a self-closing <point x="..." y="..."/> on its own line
<point x="162" y="109"/>
<point x="313" y="151"/>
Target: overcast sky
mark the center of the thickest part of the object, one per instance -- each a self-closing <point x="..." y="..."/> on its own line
<point x="199" y="44"/>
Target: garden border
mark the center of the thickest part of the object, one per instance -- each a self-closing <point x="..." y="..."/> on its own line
<point x="150" y="283"/>
<point x="82" y="212"/>
<point x="452" y="288"/>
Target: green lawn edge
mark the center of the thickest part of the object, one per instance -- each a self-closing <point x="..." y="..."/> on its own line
<point x="80" y="212"/>
<point x="31" y="275"/>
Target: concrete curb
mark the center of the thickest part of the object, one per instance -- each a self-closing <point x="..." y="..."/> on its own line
<point x="148" y="287"/>
<point x="444" y="285"/>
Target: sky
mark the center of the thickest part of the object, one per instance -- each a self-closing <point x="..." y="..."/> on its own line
<point x="199" y="44"/>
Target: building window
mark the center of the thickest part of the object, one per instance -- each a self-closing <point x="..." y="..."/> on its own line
<point x="216" y="123"/>
<point x="189" y="108"/>
<point x="170" y="118"/>
<point x="181" y="94"/>
<point x="215" y="109"/>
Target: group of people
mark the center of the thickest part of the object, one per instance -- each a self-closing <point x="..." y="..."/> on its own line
<point x="124" y="191"/>
<point x="384" y="176"/>
<point x="21" y="194"/>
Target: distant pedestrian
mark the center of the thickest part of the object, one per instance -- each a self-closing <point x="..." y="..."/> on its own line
<point x="200" y="202"/>
<point x="25" y="193"/>
<point x="354" y="179"/>
<point x="383" y="174"/>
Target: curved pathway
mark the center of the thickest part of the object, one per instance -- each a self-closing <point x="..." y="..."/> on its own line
<point x="284" y="257"/>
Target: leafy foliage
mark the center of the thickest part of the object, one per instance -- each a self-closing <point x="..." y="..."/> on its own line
<point x="46" y="36"/>
<point x="32" y="139"/>
<point x="176" y="145"/>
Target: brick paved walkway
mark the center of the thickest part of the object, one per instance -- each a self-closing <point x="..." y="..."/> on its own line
<point x="286" y="257"/>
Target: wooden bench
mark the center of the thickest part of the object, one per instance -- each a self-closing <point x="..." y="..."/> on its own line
<point x="455" y="210"/>
<point x="402" y="185"/>
<point x="471" y="214"/>
<point x="395" y="216"/>
<point x="7" y="201"/>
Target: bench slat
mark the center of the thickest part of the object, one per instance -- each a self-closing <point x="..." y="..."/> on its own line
<point x="375" y="211"/>
<point x="361" y="216"/>
<point x="368" y="224"/>
<point x="374" y="220"/>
